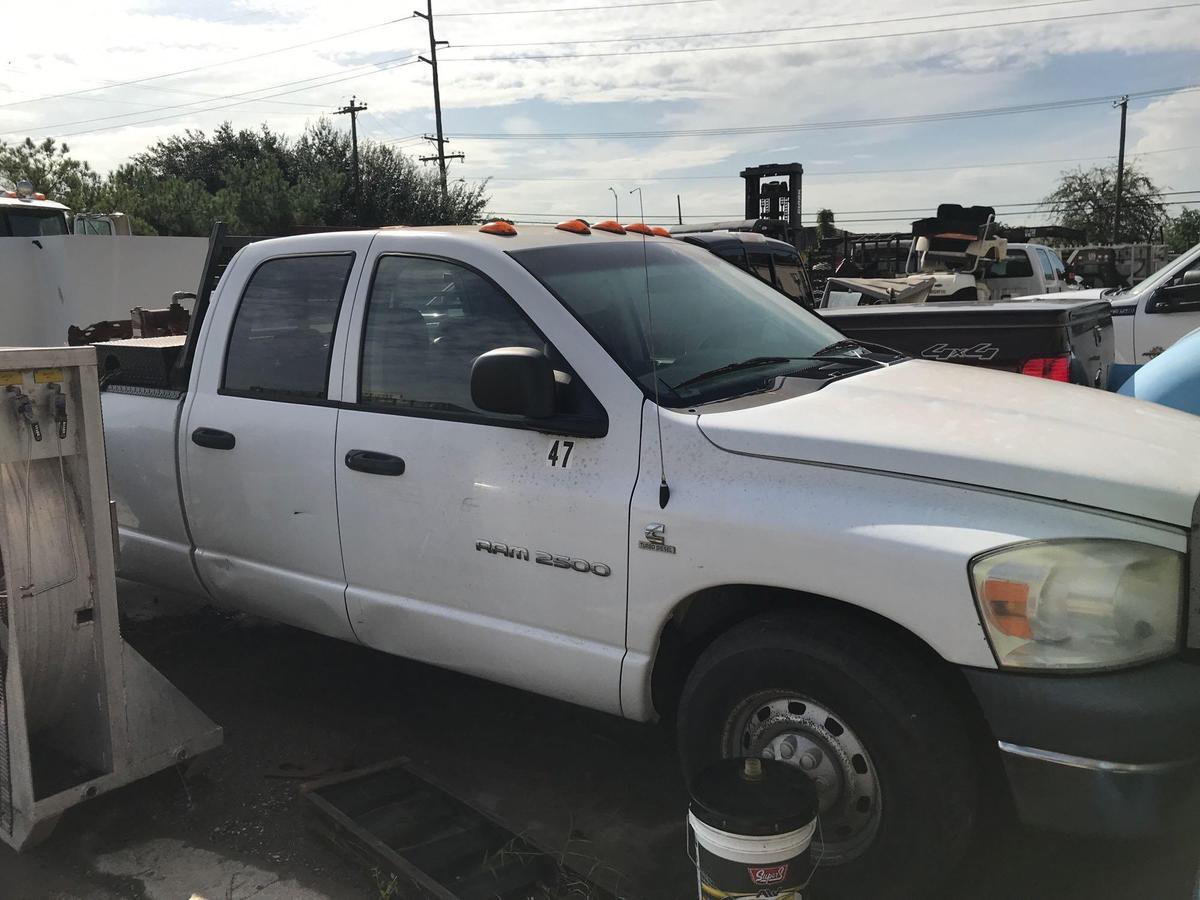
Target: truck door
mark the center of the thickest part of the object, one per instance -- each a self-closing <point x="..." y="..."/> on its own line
<point x="471" y="540"/>
<point x="1170" y="312"/>
<point x="257" y="435"/>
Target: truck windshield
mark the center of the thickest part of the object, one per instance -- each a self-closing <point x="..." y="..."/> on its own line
<point x="708" y="316"/>
<point x="31" y="223"/>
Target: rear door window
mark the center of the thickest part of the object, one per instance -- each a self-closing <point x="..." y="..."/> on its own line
<point x="735" y="255"/>
<point x="282" y="335"/>
<point x="1047" y="267"/>
<point x="1015" y="265"/>
<point x="791" y="276"/>
<point x="760" y="265"/>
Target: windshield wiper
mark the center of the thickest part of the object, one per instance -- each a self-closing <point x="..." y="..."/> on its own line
<point x="753" y="363"/>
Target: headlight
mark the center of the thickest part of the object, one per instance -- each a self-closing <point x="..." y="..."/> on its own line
<point x="1080" y="604"/>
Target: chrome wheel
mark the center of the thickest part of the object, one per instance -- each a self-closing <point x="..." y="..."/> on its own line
<point x="794" y="729"/>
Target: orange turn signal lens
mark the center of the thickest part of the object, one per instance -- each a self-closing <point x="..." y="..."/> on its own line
<point x="659" y="231"/>
<point x="639" y="228"/>
<point x="609" y="225"/>
<point x="575" y="226"/>
<point x="1006" y="604"/>
<point x="500" y="227"/>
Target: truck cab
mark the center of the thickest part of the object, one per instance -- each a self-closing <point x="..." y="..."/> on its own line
<point x="1027" y="269"/>
<point x="25" y="212"/>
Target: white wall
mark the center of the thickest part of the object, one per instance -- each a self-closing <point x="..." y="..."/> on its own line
<point x="78" y="280"/>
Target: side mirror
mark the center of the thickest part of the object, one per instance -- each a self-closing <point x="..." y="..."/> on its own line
<point x="515" y="381"/>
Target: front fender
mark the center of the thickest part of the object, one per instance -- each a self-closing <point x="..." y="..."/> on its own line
<point x="897" y="546"/>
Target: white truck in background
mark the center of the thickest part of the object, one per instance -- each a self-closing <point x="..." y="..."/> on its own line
<point x="25" y="212"/>
<point x="1027" y="269"/>
<point x="790" y="544"/>
<point x="1156" y="312"/>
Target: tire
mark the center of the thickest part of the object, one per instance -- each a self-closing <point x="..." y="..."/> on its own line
<point x="900" y="791"/>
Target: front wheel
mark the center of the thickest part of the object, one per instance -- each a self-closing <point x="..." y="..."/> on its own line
<point x="867" y="720"/>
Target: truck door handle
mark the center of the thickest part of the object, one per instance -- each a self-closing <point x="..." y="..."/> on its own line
<point x="213" y="438"/>
<point x="374" y="463"/>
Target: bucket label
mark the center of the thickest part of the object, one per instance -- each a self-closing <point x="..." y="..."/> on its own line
<point x="767" y="876"/>
<point x="725" y="879"/>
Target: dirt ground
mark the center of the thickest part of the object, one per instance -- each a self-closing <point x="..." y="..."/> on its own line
<point x="233" y="826"/>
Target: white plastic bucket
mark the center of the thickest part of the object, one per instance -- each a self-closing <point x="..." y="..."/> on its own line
<point x="751" y="824"/>
<point x="736" y="865"/>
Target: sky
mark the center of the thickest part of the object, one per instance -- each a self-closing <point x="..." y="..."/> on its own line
<point x="541" y="95"/>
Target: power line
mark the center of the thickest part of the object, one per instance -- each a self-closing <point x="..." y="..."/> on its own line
<point x="1032" y="206"/>
<point x="823" y="126"/>
<point x="520" y="12"/>
<point x="634" y="179"/>
<point x="226" y="62"/>
<point x="833" y="40"/>
<point x="759" y="31"/>
<point x="374" y="68"/>
<point x="670" y="219"/>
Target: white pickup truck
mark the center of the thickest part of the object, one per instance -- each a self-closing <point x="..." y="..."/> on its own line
<point x="469" y="446"/>
<point x="1153" y="314"/>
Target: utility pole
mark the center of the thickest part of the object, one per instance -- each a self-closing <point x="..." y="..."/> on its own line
<point x="679" y="208"/>
<point x="1124" y="104"/>
<point x="353" y="110"/>
<point x="434" y="43"/>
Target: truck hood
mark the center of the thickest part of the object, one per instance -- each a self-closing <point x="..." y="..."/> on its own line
<point x="996" y="430"/>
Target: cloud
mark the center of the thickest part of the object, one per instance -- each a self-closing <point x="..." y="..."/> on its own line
<point x="991" y="66"/>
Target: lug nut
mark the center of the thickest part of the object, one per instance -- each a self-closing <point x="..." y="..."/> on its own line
<point x="787" y="749"/>
<point x="810" y="759"/>
<point x="821" y="783"/>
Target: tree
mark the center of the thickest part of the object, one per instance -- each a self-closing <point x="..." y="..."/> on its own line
<point x="1184" y="231"/>
<point x="1086" y="199"/>
<point x="824" y="224"/>
<point x="52" y="170"/>
<point x="260" y="182"/>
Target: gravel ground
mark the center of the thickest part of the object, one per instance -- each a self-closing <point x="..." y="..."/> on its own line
<point x="233" y="825"/>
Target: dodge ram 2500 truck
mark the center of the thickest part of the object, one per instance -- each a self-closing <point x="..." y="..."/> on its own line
<point x="613" y="469"/>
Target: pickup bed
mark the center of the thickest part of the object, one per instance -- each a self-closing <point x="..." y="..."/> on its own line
<point x="615" y="470"/>
<point x="1063" y="340"/>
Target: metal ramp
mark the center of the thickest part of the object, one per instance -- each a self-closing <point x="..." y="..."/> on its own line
<point x="437" y="846"/>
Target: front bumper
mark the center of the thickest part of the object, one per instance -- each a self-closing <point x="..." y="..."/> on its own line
<point x="1114" y="754"/>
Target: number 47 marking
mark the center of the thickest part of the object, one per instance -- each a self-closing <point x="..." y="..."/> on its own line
<point x="555" y="459"/>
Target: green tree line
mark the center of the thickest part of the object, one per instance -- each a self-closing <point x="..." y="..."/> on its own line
<point x="257" y="182"/>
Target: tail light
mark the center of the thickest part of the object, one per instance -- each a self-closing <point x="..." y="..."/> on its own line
<point x="1056" y="368"/>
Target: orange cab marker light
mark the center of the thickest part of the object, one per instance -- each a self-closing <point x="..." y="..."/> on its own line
<point x="659" y="231"/>
<point x="1006" y="604"/>
<point x="39" y="196"/>
<point x="10" y="193"/>
<point x="575" y="226"/>
<point x="639" y="228"/>
<point x="609" y="225"/>
<point x="500" y="227"/>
